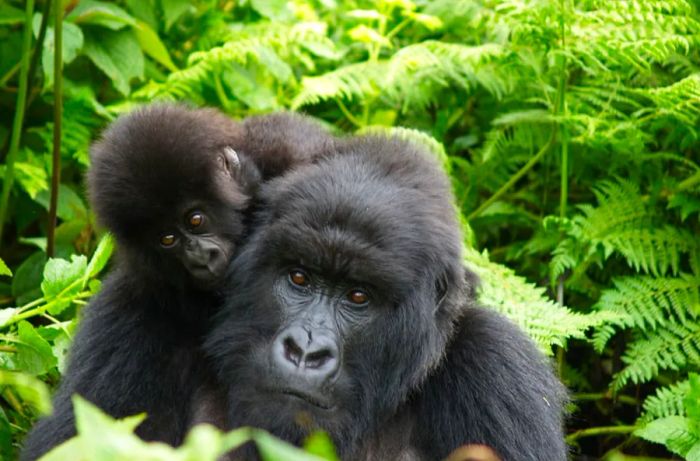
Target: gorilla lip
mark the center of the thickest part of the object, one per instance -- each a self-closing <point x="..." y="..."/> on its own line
<point x="304" y="396"/>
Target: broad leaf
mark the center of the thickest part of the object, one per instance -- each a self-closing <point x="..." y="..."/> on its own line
<point x="34" y="354"/>
<point x="117" y="54"/>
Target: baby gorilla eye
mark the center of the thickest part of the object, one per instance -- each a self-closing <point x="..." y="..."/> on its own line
<point x="167" y="240"/>
<point x="298" y="277"/>
<point x="196" y="219"/>
<point x="358" y="297"/>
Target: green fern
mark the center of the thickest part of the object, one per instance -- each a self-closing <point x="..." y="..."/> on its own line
<point x="622" y="224"/>
<point x="526" y="304"/>
<point x="667" y="401"/>
<point x="271" y="45"/>
<point x="673" y="417"/>
<point x="647" y="303"/>
<point x="672" y="347"/>
<point x="411" y="77"/>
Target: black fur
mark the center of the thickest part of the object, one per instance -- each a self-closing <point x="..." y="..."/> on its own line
<point x="138" y="347"/>
<point x="412" y="375"/>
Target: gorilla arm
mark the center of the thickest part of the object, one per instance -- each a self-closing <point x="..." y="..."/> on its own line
<point x="494" y="388"/>
<point x="124" y="360"/>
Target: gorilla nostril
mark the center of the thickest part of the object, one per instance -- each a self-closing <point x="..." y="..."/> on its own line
<point x="292" y="352"/>
<point x="318" y="359"/>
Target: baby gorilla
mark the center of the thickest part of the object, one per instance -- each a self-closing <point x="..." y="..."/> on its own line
<point x="173" y="185"/>
<point x="349" y="310"/>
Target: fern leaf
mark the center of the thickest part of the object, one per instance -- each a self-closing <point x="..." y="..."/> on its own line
<point x="411" y="77"/>
<point x="672" y="347"/>
<point x="647" y="303"/>
<point x="267" y="44"/>
<point x="526" y="304"/>
<point x="667" y="401"/>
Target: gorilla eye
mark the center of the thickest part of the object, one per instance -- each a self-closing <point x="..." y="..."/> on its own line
<point x="196" y="219"/>
<point x="358" y="297"/>
<point x="167" y="240"/>
<point x="298" y="278"/>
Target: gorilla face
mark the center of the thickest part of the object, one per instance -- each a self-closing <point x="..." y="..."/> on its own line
<point x="343" y="299"/>
<point x="168" y="183"/>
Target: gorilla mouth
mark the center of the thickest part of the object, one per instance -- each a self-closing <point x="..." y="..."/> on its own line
<point x="315" y="401"/>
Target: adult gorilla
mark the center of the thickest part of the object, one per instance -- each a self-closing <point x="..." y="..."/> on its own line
<point x="350" y="311"/>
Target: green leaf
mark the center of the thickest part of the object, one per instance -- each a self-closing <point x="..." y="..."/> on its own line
<point x="117" y="54"/>
<point x="28" y="275"/>
<point x="6" y="314"/>
<point x="4" y="270"/>
<point x="273" y="449"/>
<point x="60" y="274"/>
<point x="246" y="88"/>
<point x="101" y="256"/>
<point x="153" y="46"/>
<point x="72" y="43"/>
<point x="70" y="206"/>
<point x="10" y="15"/>
<point x="34" y="354"/>
<point x="145" y="10"/>
<point x="101" y="14"/>
<point x="32" y="178"/>
<point x="172" y="10"/>
<point x="271" y="9"/>
<point x="319" y="443"/>
<point x="30" y="389"/>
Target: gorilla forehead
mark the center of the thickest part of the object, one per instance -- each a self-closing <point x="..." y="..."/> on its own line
<point x="150" y="160"/>
<point x="379" y="206"/>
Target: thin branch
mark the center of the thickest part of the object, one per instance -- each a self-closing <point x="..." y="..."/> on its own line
<point x="602" y="430"/>
<point x="513" y="179"/>
<point x="57" y="112"/>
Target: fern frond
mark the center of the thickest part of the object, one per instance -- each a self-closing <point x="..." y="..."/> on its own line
<point x="681" y="100"/>
<point x="348" y="82"/>
<point x="267" y="44"/>
<point x="621" y="223"/>
<point x="655" y="250"/>
<point x="668" y="401"/>
<point x="631" y="34"/>
<point x="619" y="207"/>
<point x="527" y="305"/>
<point x="671" y="347"/>
<point x="647" y="303"/>
<point x="411" y="77"/>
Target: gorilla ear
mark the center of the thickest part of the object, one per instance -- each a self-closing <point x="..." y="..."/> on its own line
<point x="230" y="161"/>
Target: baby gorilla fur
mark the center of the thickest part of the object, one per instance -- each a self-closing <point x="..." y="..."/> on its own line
<point x="173" y="185"/>
<point x="349" y="310"/>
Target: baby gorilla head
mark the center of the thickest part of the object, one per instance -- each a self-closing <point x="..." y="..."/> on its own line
<point x="344" y="297"/>
<point x="167" y="181"/>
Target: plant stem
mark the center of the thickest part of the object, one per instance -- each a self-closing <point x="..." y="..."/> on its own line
<point x="513" y="179"/>
<point x="561" y="111"/>
<point x="348" y="114"/>
<point x="689" y="182"/>
<point x="57" y="112"/>
<point x="564" y="145"/>
<point x="602" y="430"/>
<point x="9" y="178"/>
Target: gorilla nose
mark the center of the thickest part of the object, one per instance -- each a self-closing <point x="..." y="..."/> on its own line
<point x="299" y="350"/>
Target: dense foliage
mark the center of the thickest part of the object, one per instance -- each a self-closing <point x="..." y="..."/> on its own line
<point x="569" y="127"/>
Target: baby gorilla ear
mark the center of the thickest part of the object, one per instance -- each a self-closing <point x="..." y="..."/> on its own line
<point x="229" y="160"/>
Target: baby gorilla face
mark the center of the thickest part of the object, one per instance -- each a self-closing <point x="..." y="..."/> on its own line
<point x="194" y="238"/>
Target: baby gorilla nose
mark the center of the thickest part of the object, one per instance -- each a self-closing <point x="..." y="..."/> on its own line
<point x="206" y="261"/>
<point x="311" y="354"/>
